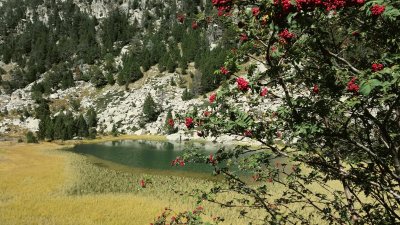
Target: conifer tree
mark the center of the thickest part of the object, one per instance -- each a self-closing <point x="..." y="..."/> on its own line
<point x="82" y="127"/>
<point x="150" y="110"/>
<point x="91" y="116"/>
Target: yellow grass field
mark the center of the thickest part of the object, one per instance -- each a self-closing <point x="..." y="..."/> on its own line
<point x="32" y="177"/>
<point x="42" y="184"/>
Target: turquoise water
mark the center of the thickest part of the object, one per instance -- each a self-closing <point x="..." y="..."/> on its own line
<point x="144" y="155"/>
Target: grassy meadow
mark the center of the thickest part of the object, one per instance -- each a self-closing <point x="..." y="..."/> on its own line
<point x="41" y="184"/>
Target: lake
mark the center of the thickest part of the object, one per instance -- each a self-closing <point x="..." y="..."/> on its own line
<point x="146" y="156"/>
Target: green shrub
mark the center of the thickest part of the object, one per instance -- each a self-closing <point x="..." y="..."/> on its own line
<point x="31" y="138"/>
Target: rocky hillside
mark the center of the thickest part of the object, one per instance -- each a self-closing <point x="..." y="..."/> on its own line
<point x="70" y="56"/>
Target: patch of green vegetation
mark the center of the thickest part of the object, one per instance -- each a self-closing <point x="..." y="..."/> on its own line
<point x="102" y="102"/>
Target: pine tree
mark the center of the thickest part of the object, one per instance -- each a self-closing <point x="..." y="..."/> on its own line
<point x="91" y="116"/>
<point x="43" y="110"/>
<point x="96" y="77"/>
<point x="49" y="128"/>
<point x="82" y="127"/>
<point x="59" y="128"/>
<point x="70" y="126"/>
<point x="150" y="109"/>
<point x="110" y="78"/>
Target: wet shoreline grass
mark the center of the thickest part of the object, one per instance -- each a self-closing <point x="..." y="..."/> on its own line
<point x="43" y="184"/>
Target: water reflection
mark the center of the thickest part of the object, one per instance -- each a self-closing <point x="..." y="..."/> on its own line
<point x="148" y="155"/>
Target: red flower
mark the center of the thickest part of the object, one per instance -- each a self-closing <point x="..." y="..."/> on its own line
<point x="360" y="2"/>
<point x="352" y="86"/>
<point x="285" y="36"/>
<point x="224" y="70"/>
<point x="242" y="84"/>
<point x="376" y="67"/>
<point x="179" y="161"/>
<point x="194" y="25"/>
<point x="189" y="122"/>
<point x="355" y="33"/>
<point x="142" y="183"/>
<point x="248" y="133"/>
<point x="377" y="10"/>
<point x="206" y="113"/>
<point x="244" y="37"/>
<point x="264" y="92"/>
<point x="171" y="122"/>
<point x="286" y="5"/>
<point x="315" y="89"/>
<point x="211" y="159"/>
<point x="223" y="6"/>
<point x="212" y="98"/>
<point x="181" y="18"/>
<point x="255" y="11"/>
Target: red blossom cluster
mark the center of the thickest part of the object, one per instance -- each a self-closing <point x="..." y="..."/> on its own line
<point x="264" y="92"/>
<point x="223" y="6"/>
<point x="315" y="89"/>
<point x="285" y="4"/>
<point x="244" y="37"/>
<point x="242" y="84"/>
<point x="286" y="36"/>
<point x="180" y="18"/>
<point x="142" y="183"/>
<point x="309" y="5"/>
<point x="212" y="98"/>
<point x="376" y="67"/>
<point x="211" y="159"/>
<point x="195" y="25"/>
<point x="352" y="86"/>
<point x="377" y="10"/>
<point x="189" y="122"/>
<point x="224" y="70"/>
<point x="248" y="133"/>
<point x="178" y="161"/>
<point x="171" y="122"/>
<point x="255" y="11"/>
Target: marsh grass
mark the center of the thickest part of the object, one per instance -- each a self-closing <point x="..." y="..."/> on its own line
<point x="40" y="184"/>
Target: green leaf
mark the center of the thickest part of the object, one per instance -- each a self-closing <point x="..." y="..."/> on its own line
<point x="368" y="86"/>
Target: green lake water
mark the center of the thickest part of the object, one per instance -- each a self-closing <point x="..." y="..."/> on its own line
<point x="146" y="156"/>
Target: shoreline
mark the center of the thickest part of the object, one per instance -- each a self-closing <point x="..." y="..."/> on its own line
<point x="131" y="137"/>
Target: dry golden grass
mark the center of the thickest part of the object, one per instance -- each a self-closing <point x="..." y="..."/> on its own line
<point x="32" y="178"/>
<point x="42" y="185"/>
